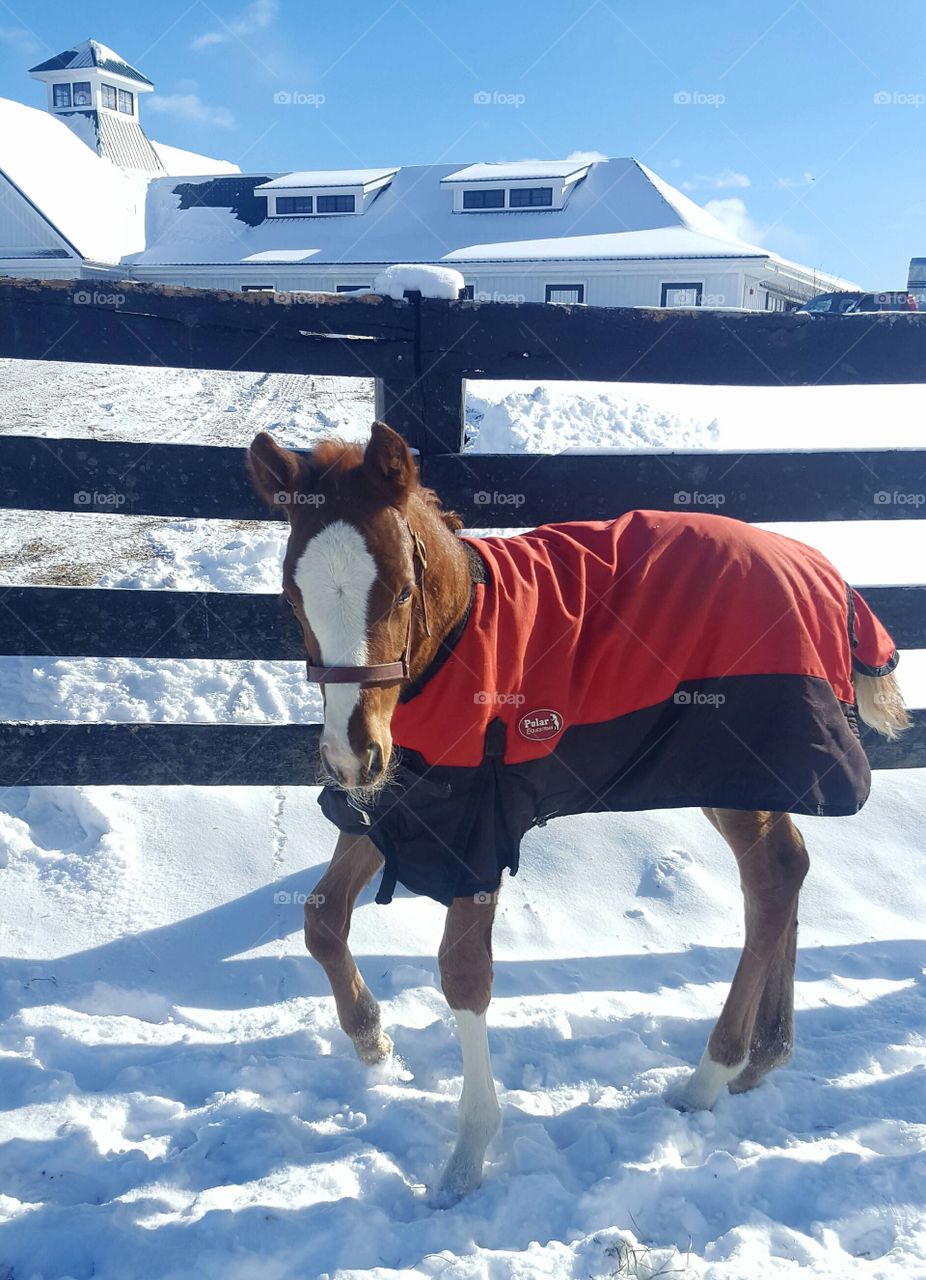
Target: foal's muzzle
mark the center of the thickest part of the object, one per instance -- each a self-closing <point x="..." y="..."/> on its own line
<point x="356" y="775"/>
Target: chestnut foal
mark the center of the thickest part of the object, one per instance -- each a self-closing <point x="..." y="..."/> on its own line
<point x="354" y="573"/>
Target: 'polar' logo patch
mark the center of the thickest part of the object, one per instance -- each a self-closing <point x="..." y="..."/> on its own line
<point x="537" y="726"/>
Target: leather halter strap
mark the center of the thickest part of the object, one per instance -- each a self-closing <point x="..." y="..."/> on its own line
<point x="383" y="672"/>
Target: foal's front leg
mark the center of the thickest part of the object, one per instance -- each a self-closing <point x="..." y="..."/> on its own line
<point x="328" y="913"/>
<point x="466" y="977"/>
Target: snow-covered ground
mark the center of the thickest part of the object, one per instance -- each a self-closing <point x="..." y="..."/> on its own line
<point x="177" y="1097"/>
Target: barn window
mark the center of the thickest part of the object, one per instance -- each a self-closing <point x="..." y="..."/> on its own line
<point x="126" y="102"/>
<point x="493" y="198"/>
<point x="565" y="294"/>
<point x="294" y="204"/>
<point x="353" y="288"/>
<point x="258" y="288"/>
<point x="467" y="293"/>
<point x="682" y="294"/>
<point x="530" y="198"/>
<point x="62" y="95"/>
<point x="109" y="97"/>
<point x="334" y="204"/>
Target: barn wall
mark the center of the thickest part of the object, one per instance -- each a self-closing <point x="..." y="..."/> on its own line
<point x="742" y="283"/>
<point x="23" y="231"/>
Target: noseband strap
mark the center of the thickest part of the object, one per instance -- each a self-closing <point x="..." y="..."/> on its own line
<point x="383" y="672"/>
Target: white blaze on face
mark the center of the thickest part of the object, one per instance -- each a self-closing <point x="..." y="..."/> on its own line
<point x="334" y="575"/>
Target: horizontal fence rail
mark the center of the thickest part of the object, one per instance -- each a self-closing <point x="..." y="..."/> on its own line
<point x="212" y="755"/>
<point x="114" y="322"/>
<point x="488" y="490"/>
<point x="73" y="622"/>
<point x="147" y="755"/>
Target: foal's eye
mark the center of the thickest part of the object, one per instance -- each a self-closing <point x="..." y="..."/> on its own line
<point x="404" y="595"/>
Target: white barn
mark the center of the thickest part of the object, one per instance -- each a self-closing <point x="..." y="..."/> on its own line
<point x="84" y="192"/>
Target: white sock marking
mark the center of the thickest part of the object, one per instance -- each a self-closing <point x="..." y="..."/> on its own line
<point x="479" y="1109"/>
<point x="334" y="574"/>
<point x="707" y="1082"/>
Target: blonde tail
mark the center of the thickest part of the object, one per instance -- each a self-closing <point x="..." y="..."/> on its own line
<point x="880" y="704"/>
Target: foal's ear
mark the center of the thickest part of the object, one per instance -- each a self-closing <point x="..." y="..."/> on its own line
<point x="273" y="470"/>
<point x="389" y="464"/>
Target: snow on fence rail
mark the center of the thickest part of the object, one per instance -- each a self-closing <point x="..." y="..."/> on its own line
<point x="420" y="351"/>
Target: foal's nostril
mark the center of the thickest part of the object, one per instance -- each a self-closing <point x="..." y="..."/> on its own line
<point x="374" y="760"/>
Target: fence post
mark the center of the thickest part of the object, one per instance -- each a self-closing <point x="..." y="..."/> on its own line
<point x="428" y="411"/>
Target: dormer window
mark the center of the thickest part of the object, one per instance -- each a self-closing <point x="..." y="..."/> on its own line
<point x="335" y="204"/>
<point x="62" y="96"/>
<point x="289" y="205"/>
<point x="525" y="185"/>
<point x="109" y="96"/>
<point x="127" y="102"/>
<point x="329" y="193"/>
<point x="530" y="198"/>
<point x="81" y="95"/>
<point x="491" y="198"/>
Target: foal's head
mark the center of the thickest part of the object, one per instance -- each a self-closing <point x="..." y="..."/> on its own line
<point x="353" y="574"/>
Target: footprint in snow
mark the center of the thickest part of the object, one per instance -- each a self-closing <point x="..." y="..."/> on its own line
<point x="664" y="875"/>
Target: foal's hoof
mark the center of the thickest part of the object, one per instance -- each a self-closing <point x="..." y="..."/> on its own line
<point x="705" y="1084"/>
<point x="461" y="1177"/>
<point x="374" y="1048"/>
<point x="687" y="1100"/>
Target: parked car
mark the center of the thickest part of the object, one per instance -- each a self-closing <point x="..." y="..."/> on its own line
<point x="850" y="302"/>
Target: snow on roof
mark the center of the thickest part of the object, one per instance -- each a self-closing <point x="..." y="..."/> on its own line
<point x="412" y="220"/>
<point x="519" y="170"/>
<point x="658" y="242"/>
<point x="90" y="53"/>
<point x="281" y="255"/>
<point x="179" y="163"/>
<point x="327" y="178"/>
<point x="95" y="206"/>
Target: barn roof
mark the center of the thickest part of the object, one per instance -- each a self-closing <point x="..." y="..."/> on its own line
<point x="96" y="207"/>
<point x="619" y="209"/>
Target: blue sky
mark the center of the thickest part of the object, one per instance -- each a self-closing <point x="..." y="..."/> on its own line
<point x="801" y="123"/>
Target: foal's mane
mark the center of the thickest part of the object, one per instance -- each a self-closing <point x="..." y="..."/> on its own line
<point x="334" y="459"/>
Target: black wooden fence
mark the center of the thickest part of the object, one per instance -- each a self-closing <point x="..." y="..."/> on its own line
<point x="420" y="352"/>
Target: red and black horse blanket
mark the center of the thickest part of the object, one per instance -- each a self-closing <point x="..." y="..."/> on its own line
<point x="661" y="660"/>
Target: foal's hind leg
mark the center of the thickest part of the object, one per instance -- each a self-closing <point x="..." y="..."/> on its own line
<point x="755" y="1029"/>
<point x="328" y="913"/>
